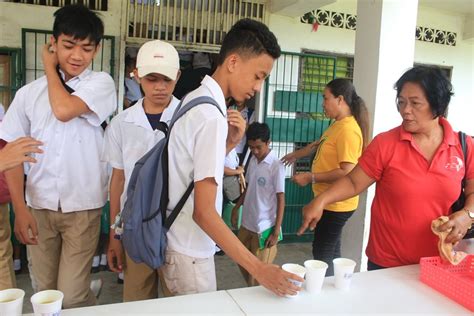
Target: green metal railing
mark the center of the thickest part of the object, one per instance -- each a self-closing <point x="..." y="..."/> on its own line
<point x="293" y="110"/>
<point x="34" y="40"/>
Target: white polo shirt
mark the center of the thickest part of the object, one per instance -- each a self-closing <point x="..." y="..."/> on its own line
<point x="265" y="180"/>
<point x="196" y="151"/>
<point x="129" y="137"/>
<point x="69" y="173"/>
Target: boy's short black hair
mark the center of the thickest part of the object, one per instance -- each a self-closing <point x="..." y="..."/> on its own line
<point x="79" y="22"/>
<point x="130" y="62"/>
<point x="258" y="131"/>
<point x="435" y="85"/>
<point x="249" y="37"/>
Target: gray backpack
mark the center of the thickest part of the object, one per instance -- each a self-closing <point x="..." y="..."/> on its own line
<point x="145" y="223"/>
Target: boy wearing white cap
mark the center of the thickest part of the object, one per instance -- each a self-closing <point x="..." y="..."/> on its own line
<point x="129" y="136"/>
<point x="197" y="153"/>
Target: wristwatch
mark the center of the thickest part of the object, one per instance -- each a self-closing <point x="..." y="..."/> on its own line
<point x="471" y="216"/>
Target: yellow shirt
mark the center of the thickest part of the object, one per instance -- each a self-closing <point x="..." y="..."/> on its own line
<point x="341" y="142"/>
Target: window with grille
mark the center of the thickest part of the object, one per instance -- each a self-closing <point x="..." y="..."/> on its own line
<point x="99" y="5"/>
<point x="316" y="71"/>
<point x="196" y="24"/>
<point x="10" y="75"/>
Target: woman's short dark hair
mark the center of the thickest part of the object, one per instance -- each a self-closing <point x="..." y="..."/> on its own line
<point x="79" y="22"/>
<point x="258" y="131"/>
<point x="435" y="85"/>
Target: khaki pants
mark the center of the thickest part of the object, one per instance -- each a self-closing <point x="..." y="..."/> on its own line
<point x="250" y="240"/>
<point x="140" y="281"/>
<point x="182" y="274"/>
<point x="7" y="275"/>
<point x="63" y="257"/>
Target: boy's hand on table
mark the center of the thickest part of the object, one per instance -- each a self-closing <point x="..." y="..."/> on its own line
<point x="277" y="280"/>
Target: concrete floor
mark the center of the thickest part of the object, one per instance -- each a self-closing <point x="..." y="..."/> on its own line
<point x="228" y="275"/>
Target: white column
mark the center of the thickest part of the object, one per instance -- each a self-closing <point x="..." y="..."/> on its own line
<point x="384" y="50"/>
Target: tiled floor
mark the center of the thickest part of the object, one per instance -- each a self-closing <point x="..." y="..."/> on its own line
<point x="228" y="274"/>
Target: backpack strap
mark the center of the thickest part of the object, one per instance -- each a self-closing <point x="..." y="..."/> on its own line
<point x="71" y="91"/>
<point x="180" y="111"/>
<point x="172" y="217"/>
<point x="68" y="88"/>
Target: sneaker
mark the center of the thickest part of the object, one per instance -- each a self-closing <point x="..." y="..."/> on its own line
<point x="103" y="263"/>
<point x="220" y="253"/>
<point x="104" y="267"/>
<point x="95" y="264"/>
<point x="96" y="286"/>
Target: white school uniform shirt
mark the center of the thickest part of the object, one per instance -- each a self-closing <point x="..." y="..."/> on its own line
<point x="132" y="90"/>
<point x="231" y="160"/>
<point x="197" y="150"/>
<point x="129" y="137"/>
<point x="265" y="179"/>
<point x="69" y="174"/>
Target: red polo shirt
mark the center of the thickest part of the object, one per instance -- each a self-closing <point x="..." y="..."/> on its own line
<point x="410" y="192"/>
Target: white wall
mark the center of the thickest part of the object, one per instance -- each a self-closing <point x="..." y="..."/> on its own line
<point x="14" y="17"/>
<point x="460" y="57"/>
<point x="295" y="36"/>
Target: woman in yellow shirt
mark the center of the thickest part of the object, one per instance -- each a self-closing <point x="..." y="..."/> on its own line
<point x="337" y="152"/>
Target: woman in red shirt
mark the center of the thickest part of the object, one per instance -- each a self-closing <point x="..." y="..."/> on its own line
<point x="417" y="167"/>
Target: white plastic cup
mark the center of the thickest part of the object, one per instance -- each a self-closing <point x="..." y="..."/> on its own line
<point x="315" y="273"/>
<point x="47" y="303"/>
<point x="343" y="271"/>
<point x="295" y="269"/>
<point x="11" y="302"/>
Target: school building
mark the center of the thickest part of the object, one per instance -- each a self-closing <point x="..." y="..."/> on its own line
<point x="371" y="41"/>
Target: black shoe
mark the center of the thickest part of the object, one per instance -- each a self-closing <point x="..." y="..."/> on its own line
<point x="220" y="253"/>
<point x="103" y="267"/>
<point x="119" y="280"/>
<point x="95" y="269"/>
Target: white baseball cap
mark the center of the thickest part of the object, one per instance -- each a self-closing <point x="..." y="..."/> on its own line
<point x="158" y="57"/>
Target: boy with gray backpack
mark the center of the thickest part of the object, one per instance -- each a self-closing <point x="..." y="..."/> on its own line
<point x="191" y="161"/>
<point x="129" y="136"/>
<point x="197" y="147"/>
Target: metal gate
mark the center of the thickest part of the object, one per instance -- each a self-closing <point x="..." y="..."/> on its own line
<point x="33" y="42"/>
<point x="294" y="112"/>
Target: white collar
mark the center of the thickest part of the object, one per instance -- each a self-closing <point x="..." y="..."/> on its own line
<point x="268" y="158"/>
<point x="81" y="76"/>
<point x="216" y="92"/>
<point x="136" y="113"/>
